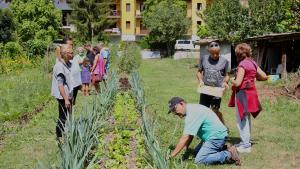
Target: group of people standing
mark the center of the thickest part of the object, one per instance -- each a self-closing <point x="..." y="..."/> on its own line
<point x="205" y="121"/>
<point x="72" y="73"/>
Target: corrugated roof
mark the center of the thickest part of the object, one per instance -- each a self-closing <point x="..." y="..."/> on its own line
<point x="287" y="35"/>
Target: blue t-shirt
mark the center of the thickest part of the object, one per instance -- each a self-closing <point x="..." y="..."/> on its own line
<point x="203" y="122"/>
<point x="106" y="55"/>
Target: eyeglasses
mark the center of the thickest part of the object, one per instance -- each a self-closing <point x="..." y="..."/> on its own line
<point x="213" y="45"/>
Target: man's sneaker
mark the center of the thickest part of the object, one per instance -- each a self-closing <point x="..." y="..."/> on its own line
<point x="234" y="155"/>
<point x="242" y="149"/>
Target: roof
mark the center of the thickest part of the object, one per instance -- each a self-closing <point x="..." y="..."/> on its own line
<point x="276" y="37"/>
<point x="3" y="4"/>
<point x="62" y="5"/>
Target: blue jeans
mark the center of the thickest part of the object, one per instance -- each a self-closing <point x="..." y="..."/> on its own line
<point x="211" y="152"/>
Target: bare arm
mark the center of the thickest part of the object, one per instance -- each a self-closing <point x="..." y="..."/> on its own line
<point x="200" y="77"/>
<point x="226" y="80"/>
<point x="261" y="75"/>
<point x="64" y="95"/>
<point x="239" y="77"/>
<point x="183" y="142"/>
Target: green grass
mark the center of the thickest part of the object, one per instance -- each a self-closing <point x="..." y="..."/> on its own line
<point x="21" y="93"/>
<point x="35" y="142"/>
<point x="275" y="132"/>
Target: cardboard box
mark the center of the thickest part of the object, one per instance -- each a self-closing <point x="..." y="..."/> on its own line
<point x="209" y="90"/>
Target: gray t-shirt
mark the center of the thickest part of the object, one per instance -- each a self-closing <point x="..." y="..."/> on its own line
<point x="214" y="71"/>
<point x="61" y="71"/>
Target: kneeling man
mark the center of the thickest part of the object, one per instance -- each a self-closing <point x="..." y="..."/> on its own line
<point x="200" y="121"/>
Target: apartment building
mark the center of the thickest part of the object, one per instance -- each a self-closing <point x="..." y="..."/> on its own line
<point x="128" y="25"/>
<point x="129" y="22"/>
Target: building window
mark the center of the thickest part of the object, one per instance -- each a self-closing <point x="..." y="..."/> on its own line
<point x="199" y="6"/>
<point x="199" y="23"/>
<point x="127" y="24"/>
<point x="128" y="7"/>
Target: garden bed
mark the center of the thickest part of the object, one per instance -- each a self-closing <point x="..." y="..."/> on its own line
<point x="121" y="140"/>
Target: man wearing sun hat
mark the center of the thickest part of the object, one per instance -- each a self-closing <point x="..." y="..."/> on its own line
<point x="202" y="122"/>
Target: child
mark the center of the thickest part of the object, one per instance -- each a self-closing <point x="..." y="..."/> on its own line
<point x="85" y="76"/>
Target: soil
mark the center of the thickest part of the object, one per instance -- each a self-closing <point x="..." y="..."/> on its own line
<point x="124" y="83"/>
<point x="132" y="156"/>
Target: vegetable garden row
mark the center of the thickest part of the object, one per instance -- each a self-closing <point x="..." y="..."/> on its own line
<point x="113" y="133"/>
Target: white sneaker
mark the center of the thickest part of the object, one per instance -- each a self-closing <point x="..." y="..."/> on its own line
<point x="241" y="149"/>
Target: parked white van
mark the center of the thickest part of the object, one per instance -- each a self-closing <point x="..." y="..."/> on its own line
<point x="186" y="45"/>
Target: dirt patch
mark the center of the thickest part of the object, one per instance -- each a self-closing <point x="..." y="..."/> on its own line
<point x="131" y="159"/>
<point x="124" y="83"/>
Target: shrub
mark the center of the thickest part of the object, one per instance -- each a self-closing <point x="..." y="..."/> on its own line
<point x="130" y="59"/>
<point x="144" y="43"/>
<point x="8" y="65"/>
<point x="7" y="25"/>
<point x="37" y="47"/>
<point x="12" y="50"/>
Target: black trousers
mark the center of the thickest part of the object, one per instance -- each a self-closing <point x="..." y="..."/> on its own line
<point x="63" y="114"/>
<point x="75" y="92"/>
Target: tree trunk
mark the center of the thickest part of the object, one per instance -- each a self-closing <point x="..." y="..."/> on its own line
<point x="284" y="73"/>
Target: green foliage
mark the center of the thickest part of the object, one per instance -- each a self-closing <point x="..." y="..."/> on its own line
<point x="37" y="20"/>
<point x="90" y="18"/>
<point x="37" y="47"/>
<point x="12" y="50"/>
<point x="7" y="25"/>
<point x="130" y="59"/>
<point x="203" y="31"/>
<point x="157" y="158"/>
<point x="144" y="43"/>
<point x="81" y="134"/>
<point x="227" y="19"/>
<point x="23" y="90"/>
<point x="121" y="138"/>
<point x="291" y="16"/>
<point x="166" y="32"/>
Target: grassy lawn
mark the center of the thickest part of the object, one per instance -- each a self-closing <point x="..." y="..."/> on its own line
<point x="27" y="146"/>
<point x="21" y="93"/>
<point x="275" y="132"/>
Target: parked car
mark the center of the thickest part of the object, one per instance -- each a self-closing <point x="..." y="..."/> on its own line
<point x="185" y="45"/>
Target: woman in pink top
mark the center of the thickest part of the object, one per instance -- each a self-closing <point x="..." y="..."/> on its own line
<point x="244" y="96"/>
<point x="97" y="69"/>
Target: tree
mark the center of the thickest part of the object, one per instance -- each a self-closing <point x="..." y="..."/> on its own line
<point x="90" y="17"/>
<point x="7" y="26"/>
<point x="227" y="19"/>
<point x="36" y="17"/>
<point x="166" y="22"/>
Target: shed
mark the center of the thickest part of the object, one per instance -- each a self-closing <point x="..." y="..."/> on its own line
<point x="277" y="51"/>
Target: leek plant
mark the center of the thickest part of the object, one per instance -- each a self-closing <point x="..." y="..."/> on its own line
<point x="80" y="135"/>
<point x="159" y="160"/>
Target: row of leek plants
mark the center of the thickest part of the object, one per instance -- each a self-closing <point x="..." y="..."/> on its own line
<point x="81" y="134"/>
<point x="158" y="159"/>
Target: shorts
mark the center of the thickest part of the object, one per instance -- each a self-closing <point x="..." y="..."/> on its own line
<point x="210" y="101"/>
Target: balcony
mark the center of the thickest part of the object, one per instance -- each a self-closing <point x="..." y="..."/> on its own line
<point x="138" y="14"/>
<point x="113" y="32"/>
<point x="114" y="14"/>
